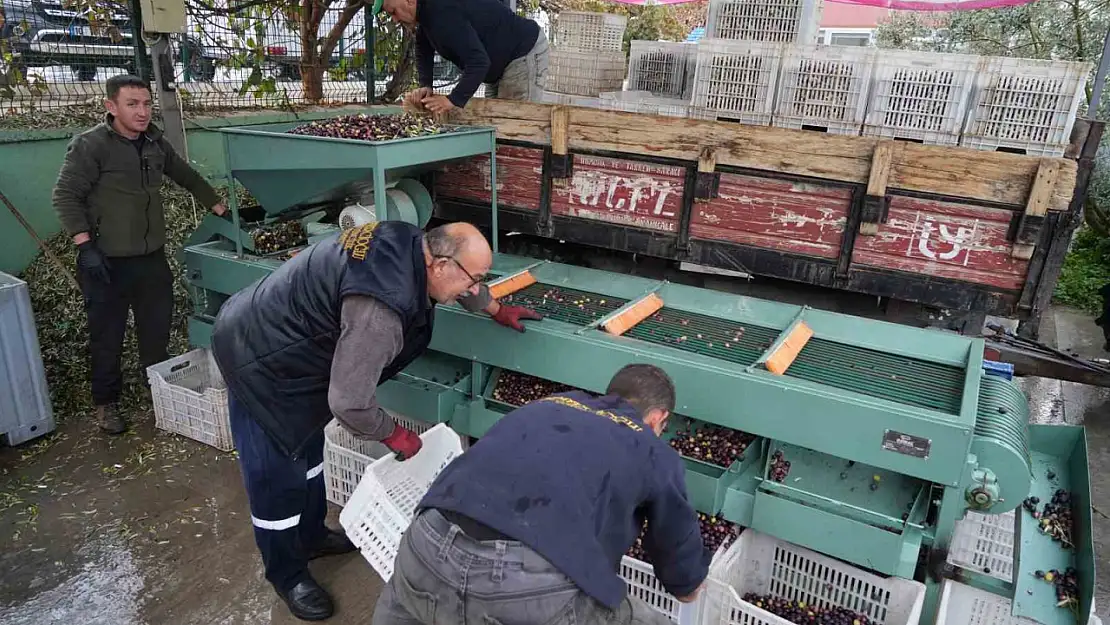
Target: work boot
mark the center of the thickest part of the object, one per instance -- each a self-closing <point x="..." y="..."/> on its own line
<point x="109" y="419"/>
<point x="308" y="601"/>
<point x="334" y="543"/>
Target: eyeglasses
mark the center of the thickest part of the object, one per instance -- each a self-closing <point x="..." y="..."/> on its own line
<point x="473" y="280"/>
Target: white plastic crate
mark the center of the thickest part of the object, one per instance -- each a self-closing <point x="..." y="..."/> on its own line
<point x="736" y="79"/>
<point x="824" y="87"/>
<point x="190" y="398"/>
<point x="345" y="461"/>
<point x="761" y="564"/>
<point x="920" y="96"/>
<point x="642" y="584"/>
<point x="346" y="457"/>
<point x="963" y="605"/>
<point x="584" y="73"/>
<point x="984" y="543"/>
<point x="1025" y="105"/>
<point x="645" y="102"/>
<point x="381" y="507"/>
<point x="548" y="97"/>
<point x="659" y="67"/>
<point x="587" y="32"/>
<point x="780" y="21"/>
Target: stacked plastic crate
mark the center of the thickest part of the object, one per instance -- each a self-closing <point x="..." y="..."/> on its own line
<point x="1025" y="106"/>
<point x="778" y="21"/>
<point x="660" y="79"/>
<point x="586" y="55"/>
<point x="824" y="88"/>
<point x="920" y="96"/>
<point x="738" y="63"/>
<point x="735" y="80"/>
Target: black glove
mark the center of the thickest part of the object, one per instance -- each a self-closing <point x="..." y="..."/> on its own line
<point x="92" y="262"/>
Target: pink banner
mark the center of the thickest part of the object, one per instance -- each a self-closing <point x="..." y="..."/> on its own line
<point x="901" y="5"/>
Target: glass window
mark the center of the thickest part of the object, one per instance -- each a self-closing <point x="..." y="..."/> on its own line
<point x="850" y="39"/>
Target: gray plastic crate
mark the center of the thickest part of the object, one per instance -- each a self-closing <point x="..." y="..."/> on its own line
<point x="25" y="409"/>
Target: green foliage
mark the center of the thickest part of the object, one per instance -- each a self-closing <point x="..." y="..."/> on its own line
<point x="1086" y="270"/>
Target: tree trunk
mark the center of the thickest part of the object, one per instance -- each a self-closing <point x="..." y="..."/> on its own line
<point x="401" y="80"/>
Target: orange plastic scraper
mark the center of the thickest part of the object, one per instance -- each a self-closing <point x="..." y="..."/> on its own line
<point x="635" y="314"/>
<point x="512" y="284"/>
<point x="784" y="356"/>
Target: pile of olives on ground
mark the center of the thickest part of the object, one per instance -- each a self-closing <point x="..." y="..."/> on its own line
<point x="715" y="533"/>
<point x="277" y="237"/>
<point x="711" y="443"/>
<point x="803" y="613"/>
<point x="372" y="127"/>
<point x="517" y="389"/>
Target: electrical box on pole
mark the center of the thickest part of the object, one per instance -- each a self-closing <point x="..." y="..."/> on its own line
<point x="163" y="16"/>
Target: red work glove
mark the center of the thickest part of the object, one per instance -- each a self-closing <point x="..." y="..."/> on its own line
<point x="510" y="316"/>
<point x="403" y="442"/>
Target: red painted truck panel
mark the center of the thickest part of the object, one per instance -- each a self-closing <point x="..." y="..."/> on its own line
<point x="946" y="240"/>
<point x="519" y="172"/>
<point x="795" y="217"/>
<point x="621" y="191"/>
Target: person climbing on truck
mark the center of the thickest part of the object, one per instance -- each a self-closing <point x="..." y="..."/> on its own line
<point x="530" y="524"/>
<point x="108" y="198"/>
<point x="484" y="38"/>
<point x="312" y="341"/>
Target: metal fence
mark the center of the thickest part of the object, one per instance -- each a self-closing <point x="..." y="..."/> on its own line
<point x="53" y="56"/>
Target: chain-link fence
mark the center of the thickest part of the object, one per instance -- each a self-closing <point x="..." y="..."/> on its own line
<point x="252" y="53"/>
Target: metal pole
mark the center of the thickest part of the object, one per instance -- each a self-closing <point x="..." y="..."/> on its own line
<point x="142" y="60"/>
<point x="173" y="124"/>
<point x="371" y="86"/>
<point x="1100" y="80"/>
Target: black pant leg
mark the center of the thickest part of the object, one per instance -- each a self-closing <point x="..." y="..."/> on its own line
<point x="151" y="299"/>
<point x="106" y="309"/>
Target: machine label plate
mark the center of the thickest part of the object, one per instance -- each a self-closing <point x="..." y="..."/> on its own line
<point x="906" y="444"/>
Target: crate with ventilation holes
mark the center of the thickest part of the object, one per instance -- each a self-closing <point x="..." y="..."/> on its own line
<point x="779" y="21"/>
<point x="763" y="565"/>
<point x="661" y="68"/>
<point x="984" y="543"/>
<point x="824" y="88"/>
<point x="961" y="604"/>
<point x="190" y="399"/>
<point x="736" y="79"/>
<point x="1025" y="106"/>
<point x="572" y="72"/>
<point x="589" y="32"/>
<point x="346" y="457"/>
<point x="648" y="104"/>
<point x="920" y="96"/>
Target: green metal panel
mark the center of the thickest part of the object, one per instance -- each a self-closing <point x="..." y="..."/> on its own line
<point x="200" y="332"/>
<point x="212" y="267"/>
<point x="740" y="497"/>
<point x="834" y="535"/>
<point x="845" y="488"/>
<point x="282" y="170"/>
<point x="1060" y="450"/>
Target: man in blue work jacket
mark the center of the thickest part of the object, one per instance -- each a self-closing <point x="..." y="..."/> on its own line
<point x="485" y="39"/>
<point x="529" y="525"/>
<point x="313" y="340"/>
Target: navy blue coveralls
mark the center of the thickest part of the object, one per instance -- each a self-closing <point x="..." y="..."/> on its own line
<point x="274" y="342"/>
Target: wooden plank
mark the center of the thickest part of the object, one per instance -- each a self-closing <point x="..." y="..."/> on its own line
<point x="707" y="160"/>
<point x="880" y="169"/>
<point x="945" y="240"/>
<point x="560" y="121"/>
<point x="1044" y="185"/>
<point x="876" y="187"/>
<point x="947" y="171"/>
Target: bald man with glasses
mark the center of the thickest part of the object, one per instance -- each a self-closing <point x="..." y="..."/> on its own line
<point x="312" y="341"/>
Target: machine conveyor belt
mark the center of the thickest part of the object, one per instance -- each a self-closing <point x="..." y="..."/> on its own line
<point x="887" y="376"/>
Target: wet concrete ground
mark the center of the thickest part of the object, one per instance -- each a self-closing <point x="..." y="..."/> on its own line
<point x="151" y="528"/>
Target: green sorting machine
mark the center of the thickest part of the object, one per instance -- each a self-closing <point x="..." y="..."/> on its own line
<point x="893" y="433"/>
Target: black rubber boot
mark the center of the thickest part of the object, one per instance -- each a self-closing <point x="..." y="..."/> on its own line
<point x="109" y="419"/>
